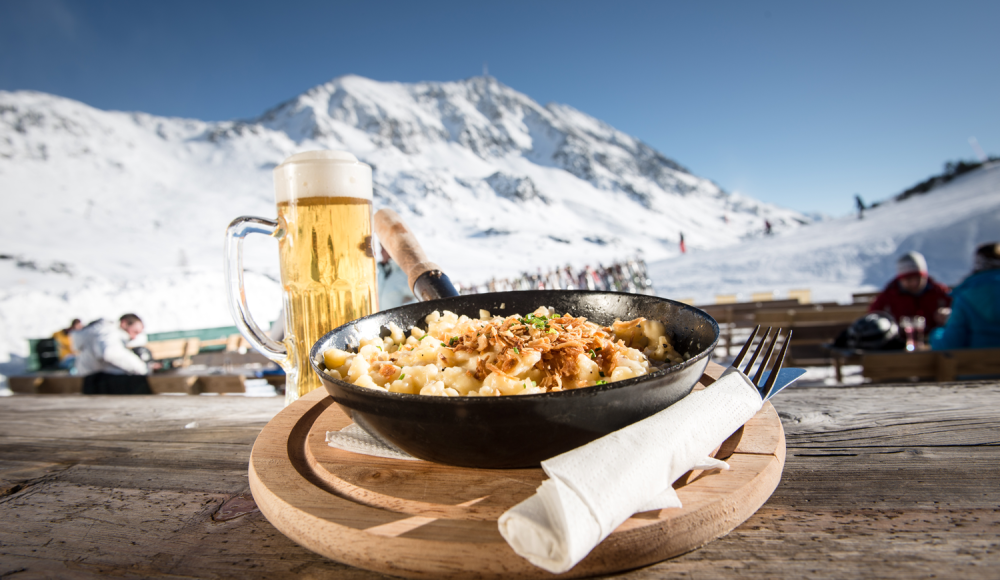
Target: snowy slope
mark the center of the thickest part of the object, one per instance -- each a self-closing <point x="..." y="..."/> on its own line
<point x="112" y="212"/>
<point x="837" y="257"/>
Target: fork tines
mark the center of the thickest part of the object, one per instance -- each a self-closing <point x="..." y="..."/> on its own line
<point x="773" y="376"/>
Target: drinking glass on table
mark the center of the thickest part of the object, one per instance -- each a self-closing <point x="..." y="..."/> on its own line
<point x="907" y="325"/>
<point x="324" y="233"/>
<point x="919" y="326"/>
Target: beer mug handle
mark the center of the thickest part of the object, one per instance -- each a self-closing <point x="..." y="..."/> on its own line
<point x="257" y="338"/>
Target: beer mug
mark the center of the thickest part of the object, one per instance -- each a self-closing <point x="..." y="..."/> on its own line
<point x="324" y="233"/>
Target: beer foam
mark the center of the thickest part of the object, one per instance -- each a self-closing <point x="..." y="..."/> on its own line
<point x="322" y="174"/>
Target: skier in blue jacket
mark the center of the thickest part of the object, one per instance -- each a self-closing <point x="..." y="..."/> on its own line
<point x="975" y="309"/>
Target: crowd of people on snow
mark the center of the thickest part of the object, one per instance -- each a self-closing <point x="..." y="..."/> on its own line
<point x="625" y="276"/>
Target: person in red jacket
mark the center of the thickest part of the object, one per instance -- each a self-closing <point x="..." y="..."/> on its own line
<point x="914" y="293"/>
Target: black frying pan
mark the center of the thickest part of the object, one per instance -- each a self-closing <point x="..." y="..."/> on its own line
<point x="521" y="430"/>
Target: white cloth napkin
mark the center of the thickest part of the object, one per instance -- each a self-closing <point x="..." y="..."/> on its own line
<point x="591" y="490"/>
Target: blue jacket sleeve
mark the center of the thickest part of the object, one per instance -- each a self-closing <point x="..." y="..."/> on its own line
<point x="957" y="332"/>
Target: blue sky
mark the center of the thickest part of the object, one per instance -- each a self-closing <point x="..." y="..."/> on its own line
<point x="802" y="104"/>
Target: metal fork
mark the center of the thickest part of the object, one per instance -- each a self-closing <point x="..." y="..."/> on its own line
<point x="765" y="390"/>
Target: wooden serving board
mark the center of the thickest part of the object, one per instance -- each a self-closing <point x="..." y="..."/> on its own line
<point x="425" y="520"/>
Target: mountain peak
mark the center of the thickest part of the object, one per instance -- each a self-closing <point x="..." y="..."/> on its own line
<point x="474" y="154"/>
<point x="124" y="211"/>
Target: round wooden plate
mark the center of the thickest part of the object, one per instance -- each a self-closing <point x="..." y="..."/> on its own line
<point x="425" y="520"/>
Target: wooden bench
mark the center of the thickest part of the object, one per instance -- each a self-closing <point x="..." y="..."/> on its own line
<point x="941" y="366"/>
<point x="236" y="343"/>
<point x="864" y="297"/>
<point x="195" y="385"/>
<point x="738" y="315"/>
<point x="160" y="384"/>
<point x="24" y="385"/>
<point x="173" y="349"/>
<point x="61" y="385"/>
<point x="222" y="384"/>
<point x="819" y="314"/>
<point x="803" y="296"/>
<point x="56" y="384"/>
<point x="231" y="343"/>
<point x="812" y="328"/>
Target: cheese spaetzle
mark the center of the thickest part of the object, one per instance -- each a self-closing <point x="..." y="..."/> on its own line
<point x="492" y="356"/>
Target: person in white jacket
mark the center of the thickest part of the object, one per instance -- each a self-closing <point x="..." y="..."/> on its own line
<point x="107" y="365"/>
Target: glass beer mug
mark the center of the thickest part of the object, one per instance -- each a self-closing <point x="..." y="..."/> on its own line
<point x="324" y="233"/>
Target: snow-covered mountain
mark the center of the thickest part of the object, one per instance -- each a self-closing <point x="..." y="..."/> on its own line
<point x="110" y="212"/>
<point x="836" y="257"/>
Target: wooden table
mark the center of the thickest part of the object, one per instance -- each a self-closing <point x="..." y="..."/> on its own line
<point x="888" y="481"/>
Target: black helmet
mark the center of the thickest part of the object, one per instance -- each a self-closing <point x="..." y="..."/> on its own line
<point x="874" y="331"/>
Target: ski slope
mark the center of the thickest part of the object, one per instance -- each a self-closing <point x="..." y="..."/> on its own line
<point x="834" y="258"/>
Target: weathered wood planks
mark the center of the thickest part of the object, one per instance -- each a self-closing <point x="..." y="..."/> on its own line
<point x="889" y="481"/>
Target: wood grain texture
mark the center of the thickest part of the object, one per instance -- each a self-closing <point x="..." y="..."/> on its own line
<point x="221" y="384"/>
<point x="880" y="481"/>
<point x="160" y="384"/>
<point x="939" y="365"/>
<point x="426" y="520"/>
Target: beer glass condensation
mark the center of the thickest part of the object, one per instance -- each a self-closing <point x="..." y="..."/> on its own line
<point x="324" y="233"/>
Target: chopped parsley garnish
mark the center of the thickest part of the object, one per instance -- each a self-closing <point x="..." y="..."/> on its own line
<point x="453" y="340"/>
<point x="516" y="350"/>
<point x="443" y="344"/>
<point x="593" y="354"/>
<point x="539" y="322"/>
<point x="602" y="382"/>
<point x="401" y="376"/>
<point x="422" y="337"/>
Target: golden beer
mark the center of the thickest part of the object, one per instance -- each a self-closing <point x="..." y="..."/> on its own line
<point x="327" y="273"/>
<point x="324" y="233"/>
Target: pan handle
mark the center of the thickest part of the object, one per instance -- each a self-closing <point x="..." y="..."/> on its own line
<point x="426" y="279"/>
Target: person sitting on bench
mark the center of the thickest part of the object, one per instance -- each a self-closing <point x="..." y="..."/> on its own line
<point x="107" y="365"/>
<point x="914" y="293"/>
<point x="975" y="311"/>
<point x="63" y="338"/>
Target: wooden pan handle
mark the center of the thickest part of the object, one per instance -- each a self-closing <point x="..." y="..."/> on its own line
<point x="402" y="245"/>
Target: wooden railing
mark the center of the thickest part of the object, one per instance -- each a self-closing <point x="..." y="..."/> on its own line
<point x="813" y="325"/>
<point x="940" y="366"/>
<point x="812" y="328"/>
<point x="158" y="384"/>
